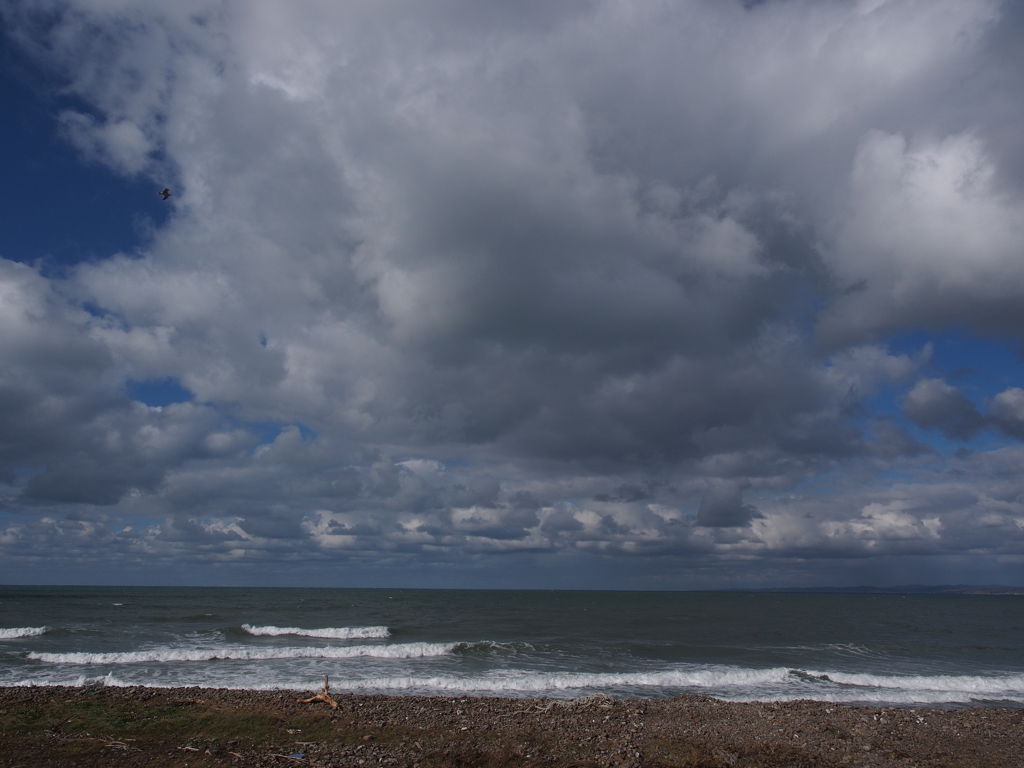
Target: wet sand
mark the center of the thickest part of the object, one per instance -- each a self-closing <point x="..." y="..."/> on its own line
<point x="52" y="726"/>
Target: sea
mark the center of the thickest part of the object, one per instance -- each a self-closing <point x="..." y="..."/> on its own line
<point x="879" y="649"/>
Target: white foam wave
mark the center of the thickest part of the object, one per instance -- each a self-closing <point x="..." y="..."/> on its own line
<point x="532" y="683"/>
<point x="776" y="684"/>
<point x="395" y="651"/>
<point x="880" y="697"/>
<point x="337" y="633"/>
<point x="977" y="685"/>
<point x="82" y="681"/>
<point x="491" y="646"/>
<point x="728" y="683"/>
<point x="547" y="682"/>
<point x="16" y="632"/>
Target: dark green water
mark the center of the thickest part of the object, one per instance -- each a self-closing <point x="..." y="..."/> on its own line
<point x="913" y="649"/>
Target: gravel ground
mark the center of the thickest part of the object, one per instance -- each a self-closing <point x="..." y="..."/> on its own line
<point x="202" y="727"/>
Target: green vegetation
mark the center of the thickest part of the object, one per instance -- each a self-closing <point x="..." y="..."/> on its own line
<point x="159" y="720"/>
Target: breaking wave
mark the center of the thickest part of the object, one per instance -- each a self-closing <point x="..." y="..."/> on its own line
<point x="396" y="651"/>
<point x="513" y="682"/>
<point x="488" y="647"/>
<point x="16" y="632"/>
<point x="336" y="633"/>
<point x="722" y="682"/>
<point x="982" y="685"/>
<point x="774" y="684"/>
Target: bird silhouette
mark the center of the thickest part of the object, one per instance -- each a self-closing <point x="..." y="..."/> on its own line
<point x="166" y="193"/>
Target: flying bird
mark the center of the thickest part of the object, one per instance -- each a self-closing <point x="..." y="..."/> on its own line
<point x="166" y="193"/>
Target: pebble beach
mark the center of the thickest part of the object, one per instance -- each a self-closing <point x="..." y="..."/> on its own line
<point x="139" y="726"/>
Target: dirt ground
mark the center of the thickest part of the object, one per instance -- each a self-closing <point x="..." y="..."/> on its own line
<point x="136" y="727"/>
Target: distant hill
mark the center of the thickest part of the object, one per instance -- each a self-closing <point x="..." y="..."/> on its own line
<point x="909" y="589"/>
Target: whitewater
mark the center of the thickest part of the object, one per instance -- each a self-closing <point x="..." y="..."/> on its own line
<point x="876" y="649"/>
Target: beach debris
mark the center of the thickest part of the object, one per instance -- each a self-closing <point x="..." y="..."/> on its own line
<point x="595" y="699"/>
<point x="323" y="696"/>
<point x="299" y="757"/>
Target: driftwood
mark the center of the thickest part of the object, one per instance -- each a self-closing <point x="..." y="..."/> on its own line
<point x="322" y="696"/>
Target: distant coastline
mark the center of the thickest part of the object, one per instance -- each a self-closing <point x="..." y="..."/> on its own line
<point x="907" y="589"/>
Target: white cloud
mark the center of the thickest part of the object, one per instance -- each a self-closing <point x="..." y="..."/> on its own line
<point x="451" y="279"/>
<point x="931" y="237"/>
<point x="121" y="145"/>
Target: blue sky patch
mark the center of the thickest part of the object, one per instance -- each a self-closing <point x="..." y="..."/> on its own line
<point x="158" y="392"/>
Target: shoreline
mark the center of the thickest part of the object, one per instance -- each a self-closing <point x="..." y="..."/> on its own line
<point x="137" y="726"/>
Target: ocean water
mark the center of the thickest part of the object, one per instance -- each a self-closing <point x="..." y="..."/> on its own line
<point x="906" y="650"/>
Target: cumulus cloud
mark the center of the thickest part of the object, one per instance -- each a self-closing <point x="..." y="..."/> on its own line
<point x="446" y="281"/>
<point x="932" y="237"/>
<point x="70" y="434"/>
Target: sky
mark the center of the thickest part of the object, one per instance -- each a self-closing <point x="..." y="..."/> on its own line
<point x="607" y="294"/>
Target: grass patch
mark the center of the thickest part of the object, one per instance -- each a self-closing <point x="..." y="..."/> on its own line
<point x="159" y="721"/>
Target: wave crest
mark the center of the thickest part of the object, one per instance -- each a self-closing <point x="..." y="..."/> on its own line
<point x="722" y="682"/>
<point x="16" y="632"/>
<point x="335" y="633"/>
<point x="396" y="651"/>
<point x="772" y="684"/>
<point x="986" y="685"/>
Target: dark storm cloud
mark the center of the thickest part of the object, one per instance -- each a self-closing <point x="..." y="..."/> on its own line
<point x="934" y="404"/>
<point x="481" y="491"/>
<point x="892" y="441"/>
<point x="273" y="526"/>
<point x="1007" y="412"/>
<point x="450" y="279"/>
<point x="626" y="492"/>
<point x="723" y="507"/>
